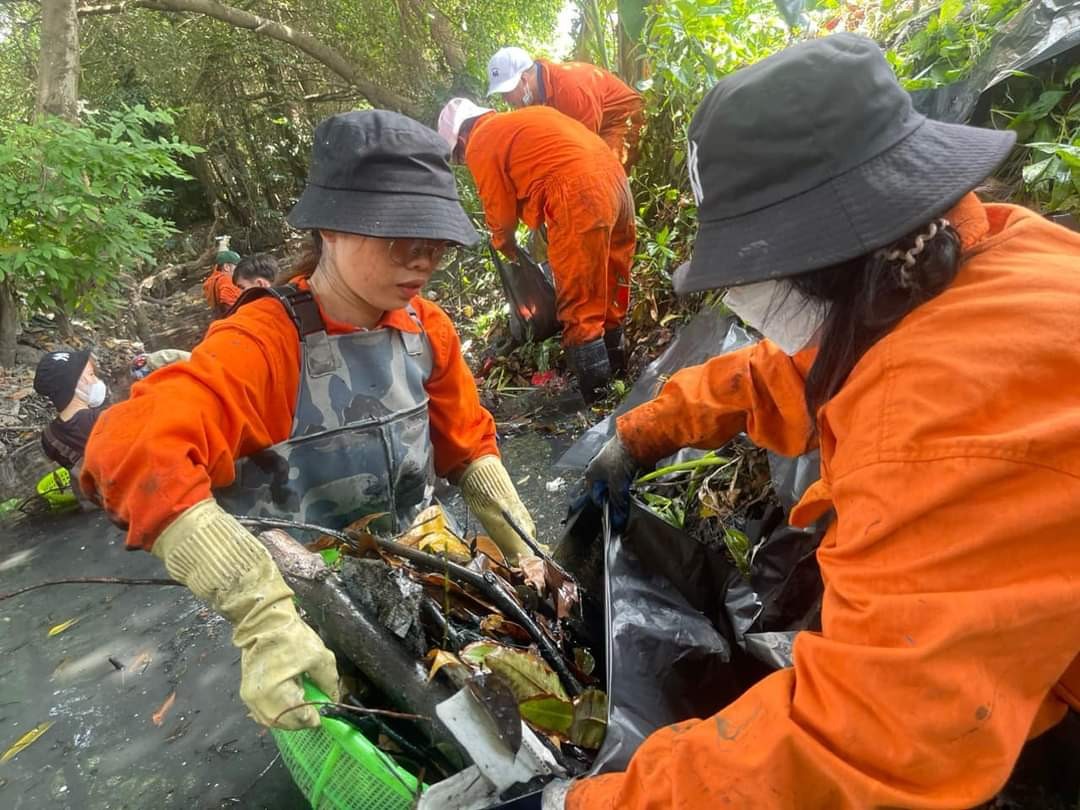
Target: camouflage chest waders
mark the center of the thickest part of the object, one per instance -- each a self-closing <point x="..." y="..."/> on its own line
<point x="360" y="440"/>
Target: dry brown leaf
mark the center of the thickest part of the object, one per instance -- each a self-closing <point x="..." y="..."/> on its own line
<point x="444" y="543"/>
<point x="532" y="568"/>
<point x="485" y="545"/>
<point x="437" y="586"/>
<point x="430" y="520"/>
<point x="362" y="524"/>
<point x="439" y="659"/>
<point x="140" y="663"/>
<point x="22" y="393"/>
<point x="158" y="717"/>
<point x="498" y="626"/>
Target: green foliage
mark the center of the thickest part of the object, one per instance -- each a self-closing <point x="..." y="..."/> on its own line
<point x="690" y="45"/>
<point x="1045" y="113"/>
<point x="74" y="199"/>
<point x="943" y="42"/>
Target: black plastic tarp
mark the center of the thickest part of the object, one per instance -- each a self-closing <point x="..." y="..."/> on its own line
<point x="1040" y="31"/>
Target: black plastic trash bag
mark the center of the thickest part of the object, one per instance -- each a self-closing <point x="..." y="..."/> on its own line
<point x="530" y="289"/>
<point x="668" y="657"/>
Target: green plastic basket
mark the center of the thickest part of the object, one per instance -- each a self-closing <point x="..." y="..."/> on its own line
<point x="55" y="488"/>
<point x="337" y="767"/>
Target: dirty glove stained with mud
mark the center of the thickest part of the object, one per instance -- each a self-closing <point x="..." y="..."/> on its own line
<point x="487" y="489"/>
<point x="609" y="475"/>
<point x="554" y="795"/>
<point x="223" y="563"/>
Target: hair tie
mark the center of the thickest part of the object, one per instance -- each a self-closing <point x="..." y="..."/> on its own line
<point x="907" y="257"/>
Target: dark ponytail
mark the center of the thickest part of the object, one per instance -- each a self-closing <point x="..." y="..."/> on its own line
<point x="870" y="295"/>
<point x="305" y="265"/>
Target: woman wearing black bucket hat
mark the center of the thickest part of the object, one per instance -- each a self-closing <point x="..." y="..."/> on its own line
<point x="339" y="395"/>
<point x="926" y="343"/>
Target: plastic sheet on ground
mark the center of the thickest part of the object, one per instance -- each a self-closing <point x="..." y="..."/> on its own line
<point x="1041" y="30"/>
<point x="709" y="333"/>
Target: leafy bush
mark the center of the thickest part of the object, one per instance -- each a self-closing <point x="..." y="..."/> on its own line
<point x="940" y="44"/>
<point x="690" y="45"/>
<point x="1045" y="113"/>
<point x="74" y="198"/>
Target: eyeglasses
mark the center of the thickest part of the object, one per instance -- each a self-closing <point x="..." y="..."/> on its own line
<point x="406" y="251"/>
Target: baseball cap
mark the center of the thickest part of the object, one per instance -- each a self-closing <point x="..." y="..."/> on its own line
<point x="505" y="69"/>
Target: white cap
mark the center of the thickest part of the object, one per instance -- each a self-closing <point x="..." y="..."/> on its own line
<point x="456" y="112"/>
<point x="505" y="69"/>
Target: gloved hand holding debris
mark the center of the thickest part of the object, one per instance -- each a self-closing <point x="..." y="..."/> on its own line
<point x="221" y="562"/>
<point x="609" y="475"/>
<point x="487" y="489"/>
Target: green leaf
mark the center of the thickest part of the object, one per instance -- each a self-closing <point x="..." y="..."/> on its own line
<point x="476" y="652"/>
<point x="589" y="725"/>
<point x="549" y="713"/>
<point x="1045" y="103"/>
<point x="1035" y="172"/>
<point x="527" y="673"/>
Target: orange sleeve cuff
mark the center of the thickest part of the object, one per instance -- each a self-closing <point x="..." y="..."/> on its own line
<point x="758" y="389"/>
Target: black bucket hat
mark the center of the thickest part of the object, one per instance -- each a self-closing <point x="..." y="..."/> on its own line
<point x="379" y="173"/>
<point x="815" y="156"/>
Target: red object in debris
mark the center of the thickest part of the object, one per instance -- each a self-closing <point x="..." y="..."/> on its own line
<point x="542" y="377"/>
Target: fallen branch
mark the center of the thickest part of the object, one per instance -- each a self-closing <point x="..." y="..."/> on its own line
<point x="90" y="581"/>
<point x="356" y="709"/>
<point x="488" y="584"/>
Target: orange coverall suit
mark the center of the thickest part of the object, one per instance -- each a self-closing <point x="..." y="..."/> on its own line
<point x="598" y="99"/>
<point x="538" y="165"/>
<point x="220" y="292"/>
<point x="951" y="613"/>
<point x="180" y="434"/>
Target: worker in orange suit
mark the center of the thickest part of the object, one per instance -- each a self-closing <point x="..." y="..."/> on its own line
<point x="340" y="395"/>
<point x="542" y="167"/>
<point x="218" y="289"/>
<point x="924" y="341"/>
<point x="596" y="97"/>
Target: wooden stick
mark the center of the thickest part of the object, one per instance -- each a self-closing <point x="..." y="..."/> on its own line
<point x="90" y="581"/>
<point x="347" y="707"/>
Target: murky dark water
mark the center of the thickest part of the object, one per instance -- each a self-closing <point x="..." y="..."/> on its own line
<point x="104" y="749"/>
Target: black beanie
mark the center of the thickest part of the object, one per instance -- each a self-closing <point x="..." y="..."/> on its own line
<point x="58" y="375"/>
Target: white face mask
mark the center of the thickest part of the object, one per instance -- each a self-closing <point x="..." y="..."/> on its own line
<point x="779" y="311"/>
<point x="94" y="395"/>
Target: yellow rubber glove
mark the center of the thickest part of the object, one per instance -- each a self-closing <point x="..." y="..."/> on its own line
<point x="487" y="488"/>
<point x="223" y="563"/>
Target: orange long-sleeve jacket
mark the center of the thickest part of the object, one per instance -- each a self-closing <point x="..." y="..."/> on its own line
<point x="219" y="291"/>
<point x="516" y="157"/>
<point x="151" y="457"/>
<point x="598" y="99"/>
<point x="951" y="612"/>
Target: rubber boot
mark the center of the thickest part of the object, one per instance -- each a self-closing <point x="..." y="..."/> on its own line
<point x="616" y="350"/>
<point x="591" y="366"/>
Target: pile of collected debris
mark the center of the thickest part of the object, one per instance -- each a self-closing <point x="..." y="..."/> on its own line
<point x="713" y="496"/>
<point x="416" y="619"/>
